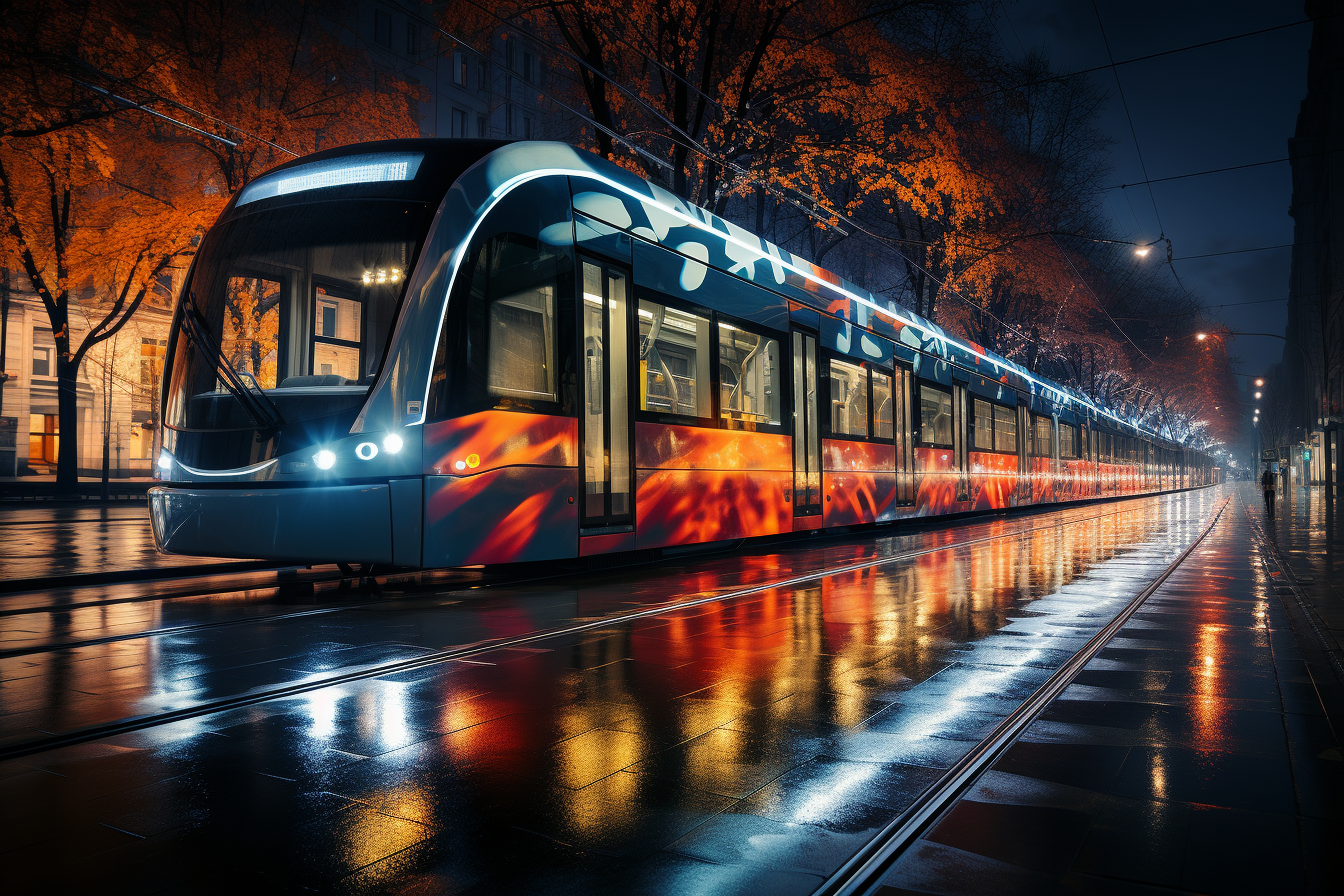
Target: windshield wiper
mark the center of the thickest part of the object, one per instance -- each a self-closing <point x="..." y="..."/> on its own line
<point x="255" y="402"/>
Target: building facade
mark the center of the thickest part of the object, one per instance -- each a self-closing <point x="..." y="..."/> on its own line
<point x="117" y="387"/>
<point x="1313" y="358"/>
<point x="489" y="91"/>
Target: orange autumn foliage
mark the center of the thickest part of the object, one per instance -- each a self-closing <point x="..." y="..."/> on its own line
<point x="126" y="126"/>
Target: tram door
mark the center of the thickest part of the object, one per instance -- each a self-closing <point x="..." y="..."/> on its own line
<point x="608" y="471"/>
<point x="806" y="426"/>
<point x="1024" y="437"/>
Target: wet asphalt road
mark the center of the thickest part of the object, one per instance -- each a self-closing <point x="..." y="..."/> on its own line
<point x="745" y="745"/>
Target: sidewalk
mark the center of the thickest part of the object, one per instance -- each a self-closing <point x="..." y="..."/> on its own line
<point x="1194" y="754"/>
<point x="42" y="488"/>
<point x="58" y="540"/>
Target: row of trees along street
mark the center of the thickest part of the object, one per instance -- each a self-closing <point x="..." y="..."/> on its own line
<point x="897" y="143"/>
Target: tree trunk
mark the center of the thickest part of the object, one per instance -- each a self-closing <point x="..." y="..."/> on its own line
<point x="67" y="457"/>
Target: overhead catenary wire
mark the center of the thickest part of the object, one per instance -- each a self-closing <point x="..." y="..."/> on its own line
<point x="689" y="143"/>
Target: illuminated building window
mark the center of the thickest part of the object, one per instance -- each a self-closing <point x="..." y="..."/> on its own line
<point x="44" y="440"/>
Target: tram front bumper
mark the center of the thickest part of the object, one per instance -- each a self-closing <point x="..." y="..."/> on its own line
<point x="337" y="523"/>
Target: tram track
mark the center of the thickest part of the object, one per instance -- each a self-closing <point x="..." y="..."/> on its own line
<point x="466" y="652"/>
<point x="381" y="581"/>
<point x="15" y="589"/>
<point x="863" y="872"/>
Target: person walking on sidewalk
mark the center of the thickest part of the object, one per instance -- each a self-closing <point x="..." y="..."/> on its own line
<point x="1267" y="483"/>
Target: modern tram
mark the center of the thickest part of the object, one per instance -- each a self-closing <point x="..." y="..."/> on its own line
<point x="428" y="353"/>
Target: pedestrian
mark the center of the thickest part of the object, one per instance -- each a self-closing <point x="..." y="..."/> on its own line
<point x="1267" y="483"/>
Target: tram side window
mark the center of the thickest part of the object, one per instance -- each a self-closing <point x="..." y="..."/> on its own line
<point x="1041" y="436"/>
<point x="1005" y="429"/>
<point x="674" y="373"/>
<point x="935" y="416"/>
<point x="993" y="428"/>
<point x="884" y="407"/>
<point x="982" y="427"/>
<point x="520" y="316"/>
<point x="749" y="378"/>
<point x="507" y="350"/>
<point x="849" y="399"/>
<point x="1068" y="441"/>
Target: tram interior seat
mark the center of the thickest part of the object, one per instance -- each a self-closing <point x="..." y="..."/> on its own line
<point x="322" y="379"/>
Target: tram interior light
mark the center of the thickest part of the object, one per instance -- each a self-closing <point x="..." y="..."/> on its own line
<point x="381" y="275"/>
<point x="392" y="443"/>
<point x="325" y="459"/>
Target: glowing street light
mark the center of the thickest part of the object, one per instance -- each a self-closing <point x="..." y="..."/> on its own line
<point x="1257" y="395"/>
<point x="1142" y="251"/>
<point x="1259" y="382"/>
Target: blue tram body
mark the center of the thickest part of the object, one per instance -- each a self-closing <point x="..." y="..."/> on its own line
<point x="453" y="352"/>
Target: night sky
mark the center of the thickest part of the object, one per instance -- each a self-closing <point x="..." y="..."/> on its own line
<point x="1229" y="104"/>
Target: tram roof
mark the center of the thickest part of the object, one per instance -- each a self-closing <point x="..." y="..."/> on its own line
<point x="624" y="200"/>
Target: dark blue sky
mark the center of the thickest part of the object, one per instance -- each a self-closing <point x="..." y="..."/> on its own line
<point x="1212" y="107"/>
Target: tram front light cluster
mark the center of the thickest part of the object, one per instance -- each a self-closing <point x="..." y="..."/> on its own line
<point x="165" y="461"/>
<point x="325" y="458"/>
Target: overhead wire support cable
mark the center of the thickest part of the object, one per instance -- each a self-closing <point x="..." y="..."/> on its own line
<point x="157" y="98"/>
<point x="132" y="104"/>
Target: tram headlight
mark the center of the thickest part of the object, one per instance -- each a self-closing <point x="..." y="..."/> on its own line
<point x="165" y="461"/>
<point x="366" y="451"/>
<point x="324" y="459"/>
<point x="392" y="443"/>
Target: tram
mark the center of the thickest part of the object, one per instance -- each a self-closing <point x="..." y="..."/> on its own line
<point x="426" y="353"/>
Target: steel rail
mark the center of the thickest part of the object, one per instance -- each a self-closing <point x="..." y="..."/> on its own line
<point x="1076" y="508"/>
<point x="864" y="870"/>
<point x="466" y="651"/>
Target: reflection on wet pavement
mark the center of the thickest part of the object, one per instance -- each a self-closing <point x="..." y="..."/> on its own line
<point x="1192" y="754"/>
<point x="742" y="745"/>
<point x="65" y="540"/>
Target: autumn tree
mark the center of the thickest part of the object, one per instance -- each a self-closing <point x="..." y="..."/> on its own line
<point x="127" y="126"/>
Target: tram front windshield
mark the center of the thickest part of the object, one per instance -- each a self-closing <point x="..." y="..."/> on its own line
<point x="292" y="306"/>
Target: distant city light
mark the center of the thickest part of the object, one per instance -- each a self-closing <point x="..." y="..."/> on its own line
<point x="1257" y="395"/>
<point x="1259" y="382"/>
